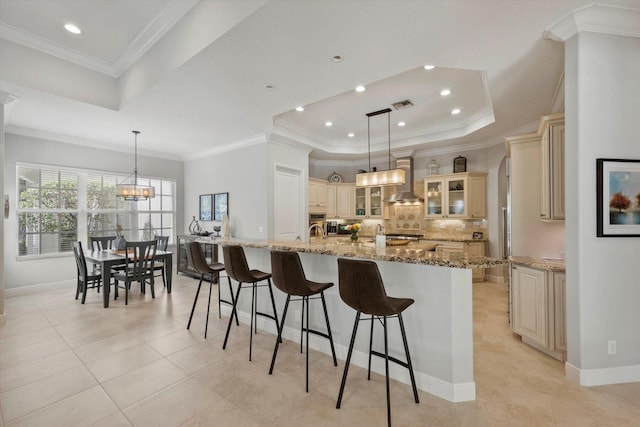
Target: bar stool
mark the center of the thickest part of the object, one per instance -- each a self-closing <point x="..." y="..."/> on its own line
<point x="362" y="289"/>
<point x="198" y="262"/>
<point x="289" y="277"/>
<point x="235" y="264"/>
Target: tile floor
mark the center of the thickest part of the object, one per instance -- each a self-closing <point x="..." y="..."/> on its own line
<point x="67" y="364"/>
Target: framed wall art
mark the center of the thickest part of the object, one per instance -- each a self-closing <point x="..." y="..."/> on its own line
<point x="220" y="205"/>
<point x="618" y="197"/>
<point x="206" y="207"/>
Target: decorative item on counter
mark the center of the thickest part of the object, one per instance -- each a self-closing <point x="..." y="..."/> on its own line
<point x="120" y="243"/>
<point x="433" y="167"/>
<point x="459" y="164"/>
<point x="217" y="229"/>
<point x="477" y="235"/>
<point x="226" y="232"/>
<point x="354" y="228"/>
<point x="381" y="239"/>
<point x="194" y="227"/>
<point x="335" y="177"/>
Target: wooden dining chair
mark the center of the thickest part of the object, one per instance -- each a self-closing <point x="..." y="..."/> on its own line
<point x="101" y="243"/>
<point x="162" y="242"/>
<point x="139" y="263"/>
<point x="86" y="279"/>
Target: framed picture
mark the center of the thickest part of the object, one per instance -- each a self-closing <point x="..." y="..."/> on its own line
<point x="459" y="164"/>
<point x="206" y="207"/>
<point x="618" y="197"/>
<point x="220" y="205"/>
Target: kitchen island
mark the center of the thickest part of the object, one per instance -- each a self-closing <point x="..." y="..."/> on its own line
<point x="439" y="325"/>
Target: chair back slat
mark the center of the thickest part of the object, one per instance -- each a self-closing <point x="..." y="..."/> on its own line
<point x="81" y="262"/>
<point x="101" y="243"/>
<point x="162" y="242"/>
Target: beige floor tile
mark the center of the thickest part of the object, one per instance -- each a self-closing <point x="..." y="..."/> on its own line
<point x="106" y="347"/>
<point x="39" y="394"/>
<point x="116" y="420"/>
<point x="36" y="369"/>
<point x="81" y="409"/>
<point x="82" y="333"/>
<point x="174" y="342"/>
<point x="123" y="362"/>
<point x="142" y="382"/>
<point x="15" y="355"/>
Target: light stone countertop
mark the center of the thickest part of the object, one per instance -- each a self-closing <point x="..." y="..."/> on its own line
<point x="557" y="265"/>
<point x="367" y="250"/>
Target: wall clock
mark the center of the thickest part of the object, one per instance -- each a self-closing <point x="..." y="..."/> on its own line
<point x="335" y="178"/>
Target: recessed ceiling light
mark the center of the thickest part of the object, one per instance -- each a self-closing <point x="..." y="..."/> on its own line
<point x="360" y="88"/>
<point x="445" y="92"/>
<point x="351" y="135"/>
<point x="72" y="28"/>
<point x="401" y="124"/>
<point x="429" y="67"/>
<point x="300" y="108"/>
<point x="328" y="124"/>
<point x="270" y="87"/>
<point x="336" y="58"/>
<point x="455" y="111"/>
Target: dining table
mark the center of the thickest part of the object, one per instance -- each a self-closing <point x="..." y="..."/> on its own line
<point x="107" y="259"/>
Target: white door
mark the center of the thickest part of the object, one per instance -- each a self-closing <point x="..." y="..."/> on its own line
<point x="288" y="198"/>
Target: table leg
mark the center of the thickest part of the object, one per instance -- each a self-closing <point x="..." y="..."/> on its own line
<point x="168" y="271"/>
<point x="106" y="273"/>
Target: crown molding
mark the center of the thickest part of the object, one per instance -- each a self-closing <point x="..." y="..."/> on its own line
<point x="233" y="146"/>
<point x="596" y="18"/>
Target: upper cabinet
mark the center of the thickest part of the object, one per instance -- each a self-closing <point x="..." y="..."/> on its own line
<point x="317" y="195"/>
<point x="369" y="202"/>
<point x="340" y="201"/>
<point x="460" y="195"/>
<point x="551" y="128"/>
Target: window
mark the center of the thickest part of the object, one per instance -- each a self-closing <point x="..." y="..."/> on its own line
<point x="54" y="202"/>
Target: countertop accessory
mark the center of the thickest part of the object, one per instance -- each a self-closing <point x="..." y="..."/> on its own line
<point x="133" y="191"/>
<point x="618" y="198"/>
<point x="477" y="235"/>
<point x="335" y="178"/>
<point x="459" y="164"/>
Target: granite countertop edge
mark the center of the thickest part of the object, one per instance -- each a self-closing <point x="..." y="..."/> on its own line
<point x="393" y="254"/>
<point x="556" y="265"/>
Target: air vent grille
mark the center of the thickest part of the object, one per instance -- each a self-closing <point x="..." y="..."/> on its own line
<point x="402" y="104"/>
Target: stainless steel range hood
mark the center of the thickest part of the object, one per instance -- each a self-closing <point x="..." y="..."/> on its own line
<point x="404" y="193"/>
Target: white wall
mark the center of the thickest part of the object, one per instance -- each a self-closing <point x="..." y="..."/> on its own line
<point x="602" y="83"/>
<point x="33" y="150"/>
<point x="243" y="174"/>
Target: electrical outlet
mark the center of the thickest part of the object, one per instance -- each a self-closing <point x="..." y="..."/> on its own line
<point x="260" y="229"/>
<point x="612" y="347"/>
<point x="297" y="315"/>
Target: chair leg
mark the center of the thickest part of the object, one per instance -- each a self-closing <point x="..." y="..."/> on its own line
<point x="206" y="325"/>
<point x="326" y="318"/>
<point x="84" y="291"/>
<point x="370" y="346"/>
<point x="273" y="305"/>
<point x="232" y="300"/>
<point x="280" y="328"/>
<point x="77" y="288"/>
<point x="348" y="361"/>
<point x="406" y="351"/>
<point x="306" y="302"/>
<point x="219" y="306"/>
<point x="386" y="370"/>
<point x="233" y="312"/>
<point x="302" y="327"/>
<point x="127" y="284"/>
<point x="253" y="308"/>
<point x="195" y="300"/>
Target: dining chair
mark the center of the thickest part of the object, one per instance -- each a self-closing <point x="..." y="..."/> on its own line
<point x="86" y="279"/>
<point x="162" y="242"/>
<point x="139" y="262"/>
<point x="101" y="243"/>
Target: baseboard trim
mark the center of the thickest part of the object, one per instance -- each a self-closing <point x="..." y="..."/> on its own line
<point x="453" y="392"/>
<point x="29" y="289"/>
<point x="602" y="376"/>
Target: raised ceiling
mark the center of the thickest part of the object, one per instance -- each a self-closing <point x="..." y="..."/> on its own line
<point x="192" y="74"/>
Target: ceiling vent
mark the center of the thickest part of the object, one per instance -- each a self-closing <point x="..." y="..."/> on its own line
<point x="400" y="105"/>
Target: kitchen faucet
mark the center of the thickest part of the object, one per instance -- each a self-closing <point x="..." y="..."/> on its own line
<point x="324" y="236"/>
<point x="379" y="229"/>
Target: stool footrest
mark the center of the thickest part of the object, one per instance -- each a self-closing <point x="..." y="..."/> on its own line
<point x="391" y="358"/>
<point x="322" y="334"/>
<point x="266" y="315"/>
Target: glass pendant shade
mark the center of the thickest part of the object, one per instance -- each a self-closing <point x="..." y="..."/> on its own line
<point x="380" y="178"/>
<point x="132" y="191"/>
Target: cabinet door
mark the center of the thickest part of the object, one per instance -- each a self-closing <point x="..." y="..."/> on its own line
<point x="332" y="201"/>
<point x="433" y="196"/>
<point x="529" y="304"/>
<point x="476" y="249"/>
<point x="374" y="202"/>
<point x="557" y="171"/>
<point x="477" y="197"/>
<point x="559" y="304"/>
<point x="361" y="201"/>
<point x="456" y="200"/>
<point x="317" y="196"/>
<point x="344" y="201"/>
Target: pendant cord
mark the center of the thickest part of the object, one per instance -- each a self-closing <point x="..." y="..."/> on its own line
<point x="369" y="140"/>
<point x="389" y="135"/>
<point x="135" y="156"/>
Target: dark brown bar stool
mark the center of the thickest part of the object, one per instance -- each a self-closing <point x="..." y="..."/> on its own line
<point x="362" y="289"/>
<point x="235" y="263"/>
<point x="289" y="277"/>
<point x="198" y="262"/>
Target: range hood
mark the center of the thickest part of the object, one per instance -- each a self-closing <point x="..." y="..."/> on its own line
<point x="404" y="192"/>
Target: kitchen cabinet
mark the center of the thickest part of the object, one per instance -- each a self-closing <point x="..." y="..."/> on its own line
<point x="538" y="309"/>
<point x="368" y="201"/>
<point x="340" y="201"/>
<point x="461" y="195"/>
<point x="551" y="128"/>
<point x="317" y="195"/>
<point x="469" y="248"/>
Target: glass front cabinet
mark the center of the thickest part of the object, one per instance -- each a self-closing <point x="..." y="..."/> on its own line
<point x="369" y="202"/>
<point x="461" y="195"/>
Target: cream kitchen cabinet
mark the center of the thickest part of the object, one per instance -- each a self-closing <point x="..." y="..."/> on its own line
<point x="551" y="129"/>
<point x="317" y="195"/>
<point x="470" y="248"/>
<point x="538" y="309"/>
<point x="461" y="195"/>
<point x="368" y="201"/>
<point x="340" y="201"/>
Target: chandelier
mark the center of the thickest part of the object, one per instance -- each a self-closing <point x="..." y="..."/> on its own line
<point x="380" y="178"/>
<point x="132" y="191"/>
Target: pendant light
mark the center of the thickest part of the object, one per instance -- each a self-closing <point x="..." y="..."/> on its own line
<point x="380" y="178"/>
<point x="132" y="191"/>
